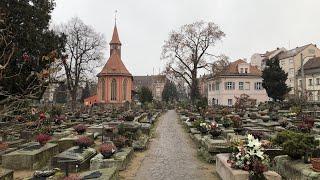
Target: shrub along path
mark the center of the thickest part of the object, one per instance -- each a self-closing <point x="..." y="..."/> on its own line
<point x="172" y="155"/>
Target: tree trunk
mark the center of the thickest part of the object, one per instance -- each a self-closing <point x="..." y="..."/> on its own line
<point x="73" y="100"/>
<point x="194" y="93"/>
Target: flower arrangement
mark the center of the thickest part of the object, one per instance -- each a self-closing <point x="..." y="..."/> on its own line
<point x="107" y="150"/>
<point x="3" y="146"/>
<point x="237" y="122"/>
<point x="120" y="141"/>
<point x="214" y="130"/>
<point x="80" y="128"/>
<point x="43" y="139"/>
<point x="250" y="157"/>
<point x="84" y="142"/>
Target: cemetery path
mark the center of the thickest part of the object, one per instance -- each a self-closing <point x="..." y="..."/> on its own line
<point x="172" y="155"/>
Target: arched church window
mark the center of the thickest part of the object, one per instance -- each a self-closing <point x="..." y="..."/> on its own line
<point x="103" y="89"/>
<point x="113" y="90"/>
<point x="124" y="89"/>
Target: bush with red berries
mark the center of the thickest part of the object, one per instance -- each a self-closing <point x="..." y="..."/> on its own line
<point x="84" y="142"/>
<point x="80" y="128"/>
<point x="120" y="141"/>
<point x="43" y="139"/>
<point x="107" y="149"/>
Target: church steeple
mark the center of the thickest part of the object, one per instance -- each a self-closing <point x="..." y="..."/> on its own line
<point x="115" y="44"/>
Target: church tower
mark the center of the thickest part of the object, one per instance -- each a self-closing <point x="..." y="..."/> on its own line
<point x="114" y="80"/>
<point x="115" y="44"/>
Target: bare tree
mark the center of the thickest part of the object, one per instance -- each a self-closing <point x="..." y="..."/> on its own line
<point x="83" y="54"/>
<point x="187" y="51"/>
<point x="219" y="66"/>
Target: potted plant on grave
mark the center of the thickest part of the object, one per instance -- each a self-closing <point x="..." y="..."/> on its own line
<point x="120" y="141"/>
<point x="226" y="123"/>
<point x="107" y="150"/>
<point x="257" y="135"/>
<point x="84" y="142"/>
<point x="42" y="139"/>
<point x="250" y="157"/>
<point x="80" y="128"/>
<point x="215" y="131"/>
<point x="3" y="146"/>
<point x="237" y="125"/>
<point x="296" y="144"/>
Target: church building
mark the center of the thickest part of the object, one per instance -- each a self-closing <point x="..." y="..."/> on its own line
<point x="114" y="80"/>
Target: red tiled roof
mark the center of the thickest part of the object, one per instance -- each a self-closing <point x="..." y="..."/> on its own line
<point x="114" y="66"/>
<point x="232" y="69"/>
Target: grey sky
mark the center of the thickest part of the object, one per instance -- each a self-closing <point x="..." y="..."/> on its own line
<point x="250" y="25"/>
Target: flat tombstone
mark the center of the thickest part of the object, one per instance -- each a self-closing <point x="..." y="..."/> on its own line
<point x="32" y="156"/>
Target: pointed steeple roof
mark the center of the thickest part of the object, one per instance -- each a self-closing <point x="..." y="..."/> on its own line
<point x="115" y="36"/>
<point x="114" y="66"/>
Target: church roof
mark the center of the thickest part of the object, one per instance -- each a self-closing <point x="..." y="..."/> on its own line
<point x="114" y="66"/>
<point x="115" y="36"/>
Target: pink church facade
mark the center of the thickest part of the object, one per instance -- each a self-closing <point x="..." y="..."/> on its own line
<point x="114" y="81"/>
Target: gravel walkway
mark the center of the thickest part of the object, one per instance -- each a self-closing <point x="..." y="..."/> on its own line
<point x="172" y="155"/>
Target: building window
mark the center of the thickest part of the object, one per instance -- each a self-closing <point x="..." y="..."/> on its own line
<point x="124" y="89"/>
<point x="240" y="85"/>
<point x="229" y="102"/>
<point x="312" y="51"/>
<point x="217" y="86"/>
<point x="209" y="87"/>
<point x="291" y="60"/>
<point x="291" y="71"/>
<point x="229" y="85"/>
<point x="282" y="62"/>
<point x="246" y="70"/>
<point x="213" y="88"/>
<point x="113" y="90"/>
<point x="310" y="82"/>
<point x="247" y="86"/>
<point x="103" y="89"/>
<point x="258" y="85"/>
<point x="318" y="81"/>
<point x="241" y="70"/>
<point x="300" y="83"/>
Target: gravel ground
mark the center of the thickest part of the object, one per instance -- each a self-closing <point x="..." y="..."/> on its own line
<point x="172" y="155"/>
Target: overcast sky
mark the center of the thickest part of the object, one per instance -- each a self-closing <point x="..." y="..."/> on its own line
<point x="250" y="26"/>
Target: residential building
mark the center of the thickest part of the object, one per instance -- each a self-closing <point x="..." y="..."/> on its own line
<point x="203" y="86"/>
<point x="312" y="80"/>
<point x="290" y="62"/>
<point x="114" y="80"/>
<point x="155" y="83"/>
<point x="259" y="60"/>
<point x="239" y="78"/>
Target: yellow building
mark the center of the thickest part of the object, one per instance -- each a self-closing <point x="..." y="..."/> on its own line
<point x="290" y="62"/>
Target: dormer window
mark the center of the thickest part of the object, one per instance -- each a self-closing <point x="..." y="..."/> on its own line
<point x="241" y="70"/>
<point x="246" y="70"/>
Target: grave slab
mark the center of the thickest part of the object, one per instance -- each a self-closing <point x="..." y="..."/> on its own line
<point x="120" y="160"/>
<point x="31" y="157"/>
<point x="225" y="171"/>
<point x="80" y="159"/>
<point x="296" y="169"/>
<point x="106" y="174"/>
